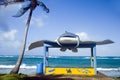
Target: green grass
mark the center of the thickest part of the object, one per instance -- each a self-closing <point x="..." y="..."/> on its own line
<point x="116" y="78"/>
<point x="13" y="77"/>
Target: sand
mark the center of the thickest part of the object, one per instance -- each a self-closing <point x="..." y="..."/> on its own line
<point x="100" y="76"/>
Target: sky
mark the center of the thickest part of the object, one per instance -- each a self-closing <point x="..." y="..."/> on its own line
<point x="95" y="20"/>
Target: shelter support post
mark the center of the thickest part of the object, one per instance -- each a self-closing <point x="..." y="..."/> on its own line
<point x="45" y="59"/>
<point x="92" y="58"/>
<point x="94" y="54"/>
<point x="76" y="71"/>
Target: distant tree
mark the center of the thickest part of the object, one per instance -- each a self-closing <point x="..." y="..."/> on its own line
<point x="27" y="4"/>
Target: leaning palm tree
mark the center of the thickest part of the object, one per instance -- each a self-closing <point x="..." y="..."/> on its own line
<point x="27" y="4"/>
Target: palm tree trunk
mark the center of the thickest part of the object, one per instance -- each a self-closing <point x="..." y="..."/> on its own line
<point x="15" y="70"/>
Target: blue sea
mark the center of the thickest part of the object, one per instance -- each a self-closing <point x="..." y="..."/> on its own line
<point x="110" y="66"/>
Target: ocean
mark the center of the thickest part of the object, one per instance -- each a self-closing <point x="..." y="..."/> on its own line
<point x="110" y="66"/>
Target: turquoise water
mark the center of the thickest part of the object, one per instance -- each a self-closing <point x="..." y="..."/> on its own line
<point x="104" y="64"/>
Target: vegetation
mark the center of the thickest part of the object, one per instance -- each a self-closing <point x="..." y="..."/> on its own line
<point x="52" y="77"/>
<point x="13" y="77"/>
<point x="116" y="78"/>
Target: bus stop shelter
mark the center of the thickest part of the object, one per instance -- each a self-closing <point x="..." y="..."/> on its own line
<point x="67" y="70"/>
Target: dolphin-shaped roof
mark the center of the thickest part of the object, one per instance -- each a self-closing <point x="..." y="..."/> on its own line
<point x="41" y="43"/>
<point x="63" y="44"/>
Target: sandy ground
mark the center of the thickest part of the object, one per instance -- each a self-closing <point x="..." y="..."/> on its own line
<point x="68" y="77"/>
<point x="100" y="76"/>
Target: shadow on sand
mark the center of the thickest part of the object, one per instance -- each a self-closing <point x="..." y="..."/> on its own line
<point x="47" y="77"/>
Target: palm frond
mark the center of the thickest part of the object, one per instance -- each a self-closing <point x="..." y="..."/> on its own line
<point x="43" y="6"/>
<point x="7" y="2"/>
<point x="24" y="8"/>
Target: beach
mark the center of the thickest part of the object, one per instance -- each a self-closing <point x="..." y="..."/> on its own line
<point x="69" y="77"/>
<point x="99" y="76"/>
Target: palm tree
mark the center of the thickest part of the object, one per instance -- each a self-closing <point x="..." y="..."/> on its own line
<point x="29" y="4"/>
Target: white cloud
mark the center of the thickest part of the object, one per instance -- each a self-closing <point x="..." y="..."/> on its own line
<point x="6" y="14"/>
<point x="37" y="21"/>
<point x="8" y="35"/>
<point x="8" y="39"/>
<point x="9" y="10"/>
<point x="83" y="36"/>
